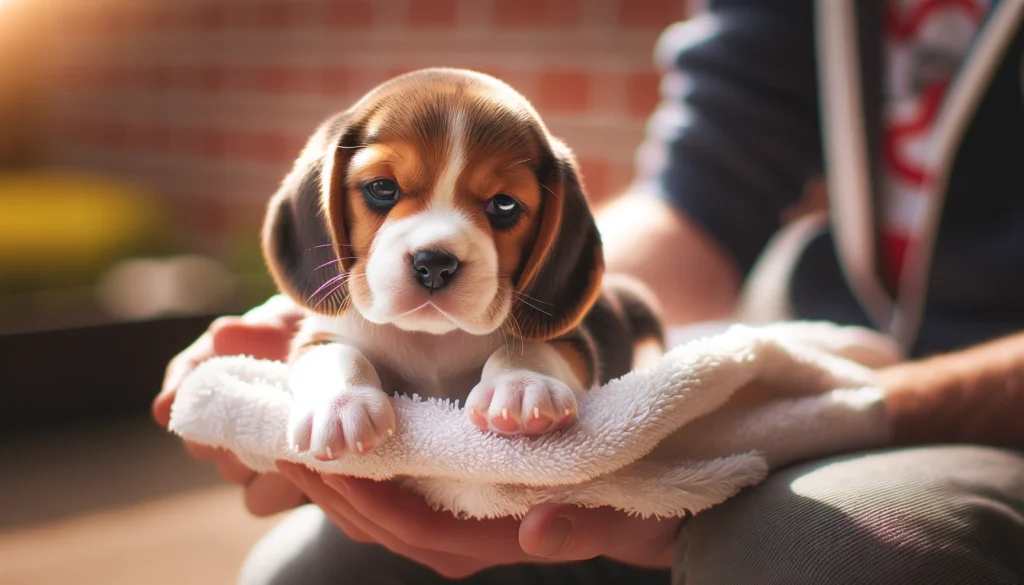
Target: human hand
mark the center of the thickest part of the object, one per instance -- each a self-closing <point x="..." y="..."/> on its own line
<point x="264" y="332"/>
<point x="402" y="522"/>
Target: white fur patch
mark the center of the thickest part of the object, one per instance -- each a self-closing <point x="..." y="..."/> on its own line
<point x="397" y="296"/>
<point x="444" y="191"/>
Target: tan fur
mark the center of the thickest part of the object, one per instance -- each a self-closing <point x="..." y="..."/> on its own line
<point x="580" y="366"/>
<point x="451" y="140"/>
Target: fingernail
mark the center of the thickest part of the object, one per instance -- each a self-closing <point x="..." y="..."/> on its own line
<point x="556" y="538"/>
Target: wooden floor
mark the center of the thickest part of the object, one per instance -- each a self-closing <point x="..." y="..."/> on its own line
<point x="124" y="505"/>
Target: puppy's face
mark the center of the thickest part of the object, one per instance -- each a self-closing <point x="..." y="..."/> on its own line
<point x="443" y="203"/>
<point x="447" y="206"/>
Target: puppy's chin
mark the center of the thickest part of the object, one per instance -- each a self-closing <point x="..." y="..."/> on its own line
<point x="388" y="288"/>
<point x="443" y="312"/>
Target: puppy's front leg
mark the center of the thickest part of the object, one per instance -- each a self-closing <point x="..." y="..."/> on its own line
<point x="531" y="391"/>
<point x="337" y="401"/>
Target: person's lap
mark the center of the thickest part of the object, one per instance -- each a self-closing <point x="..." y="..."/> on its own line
<point x="952" y="514"/>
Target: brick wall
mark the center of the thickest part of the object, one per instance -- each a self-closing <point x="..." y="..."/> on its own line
<point x="207" y="101"/>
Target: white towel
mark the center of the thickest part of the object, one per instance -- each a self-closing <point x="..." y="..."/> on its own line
<point x="672" y="439"/>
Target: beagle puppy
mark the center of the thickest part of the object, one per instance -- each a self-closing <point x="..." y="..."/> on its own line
<point x="441" y="242"/>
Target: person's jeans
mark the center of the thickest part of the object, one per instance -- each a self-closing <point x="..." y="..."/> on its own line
<point x="943" y="514"/>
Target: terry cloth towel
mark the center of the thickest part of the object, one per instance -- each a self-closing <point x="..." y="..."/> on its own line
<point x="711" y="417"/>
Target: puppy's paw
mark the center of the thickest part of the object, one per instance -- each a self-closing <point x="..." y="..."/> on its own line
<point x="357" y="419"/>
<point x="521" y="403"/>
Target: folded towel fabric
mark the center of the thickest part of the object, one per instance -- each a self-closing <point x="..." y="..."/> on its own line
<point x="711" y="417"/>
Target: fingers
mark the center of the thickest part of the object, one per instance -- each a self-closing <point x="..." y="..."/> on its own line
<point x="271" y="493"/>
<point x="355" y="525"/>
<point x="231" y="469"/>
<point x="278" y="310"/>
<point x="177" y="369"/>
<point x="568" y="533"/>
<point x="234" y="336"/>
<point x="203" y="452"/>
<point x="264" y="332"/>
<point x="410" y="519"/>
<point x="324" y="497"/>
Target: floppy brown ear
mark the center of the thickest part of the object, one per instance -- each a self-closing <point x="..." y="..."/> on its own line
<point x="304" y="241"/>
<point x="562" y="276"/>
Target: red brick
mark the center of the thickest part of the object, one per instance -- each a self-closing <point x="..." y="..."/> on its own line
<point x="533" y="13"/>
<point x="288" y="79"/>
<point x="563" y="91"/>
<point x="275" y="14"/>
<point x="210" y="78"/>
<point x="650" y="13"/>
<point x="156" y="78"/>
<point x="642" y="93"/>
<point x="188" y="141"/>
<point x="211" y="143"/>
<point x="209" y="17"/>
<point x="111" y="135"/>
<point x="205" y="214"/>
<point x="336" y="80"/>
<point x="347" y="14"/>
<point x="236" y="144"/>
<point x="151" y="138"/>
<point x="275" y="79"/>
<point x="595" y="175"/>
<point x="272" y="147"/>
<point x="151" y="18"/>
<point x="73" y="75"/>
<point x="434" y="13"/>
<point x="176" y="18"/>
<point x="114" y="22"/>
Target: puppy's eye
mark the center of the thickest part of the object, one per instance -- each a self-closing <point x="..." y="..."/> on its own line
<point x="382" y="189"/>
<point x="503" y="210"/>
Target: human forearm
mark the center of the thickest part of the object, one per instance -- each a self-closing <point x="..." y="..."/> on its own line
<point x="692" y="276"/>
<point x="974" y="395"/>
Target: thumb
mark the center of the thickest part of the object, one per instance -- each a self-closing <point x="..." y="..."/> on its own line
<point x="569" y="533"/>
<point x="260" y="340"/>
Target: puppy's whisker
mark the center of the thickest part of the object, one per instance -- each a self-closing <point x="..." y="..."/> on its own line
<point x="534" y="299"/>
<point x="329" y="246"/>
<point x="518" y="163"/>
<point x="539" y="310"/>
<point x="522" y="342"/>
<point x="548" y="189"/>
<point x="490" y="315"/>
<point x="341" y="280"/>
<point x="336" y="260"/>
<point x="328" y="295"/>
<point x="325" y="285"/>
<point x="522" y="299"/>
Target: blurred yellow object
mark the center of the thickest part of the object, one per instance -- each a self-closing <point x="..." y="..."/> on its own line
<point x="65" y="221"/>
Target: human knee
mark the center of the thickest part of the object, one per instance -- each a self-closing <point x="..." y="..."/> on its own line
<point x="936" y="514"/>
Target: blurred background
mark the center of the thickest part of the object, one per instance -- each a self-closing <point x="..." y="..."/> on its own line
<point x="139" y="142"/>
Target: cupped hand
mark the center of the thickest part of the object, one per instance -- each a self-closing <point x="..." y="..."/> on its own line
<point x="402" y="521"/>
<point x="264" y="332"/>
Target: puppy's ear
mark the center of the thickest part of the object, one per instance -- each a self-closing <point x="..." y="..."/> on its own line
<point x="562" y="275"/>
<point x="304" y="234"/>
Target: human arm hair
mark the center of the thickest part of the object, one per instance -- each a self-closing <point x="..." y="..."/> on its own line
<point x="973" y="395"/>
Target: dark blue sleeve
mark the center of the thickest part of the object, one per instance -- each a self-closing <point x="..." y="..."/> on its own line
<point x="737" y="134"/>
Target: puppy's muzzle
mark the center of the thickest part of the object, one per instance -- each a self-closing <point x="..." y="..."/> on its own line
<point x="434" y="269"/>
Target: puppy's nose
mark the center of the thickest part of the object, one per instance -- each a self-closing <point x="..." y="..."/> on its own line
<point x="435" y="268"/>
